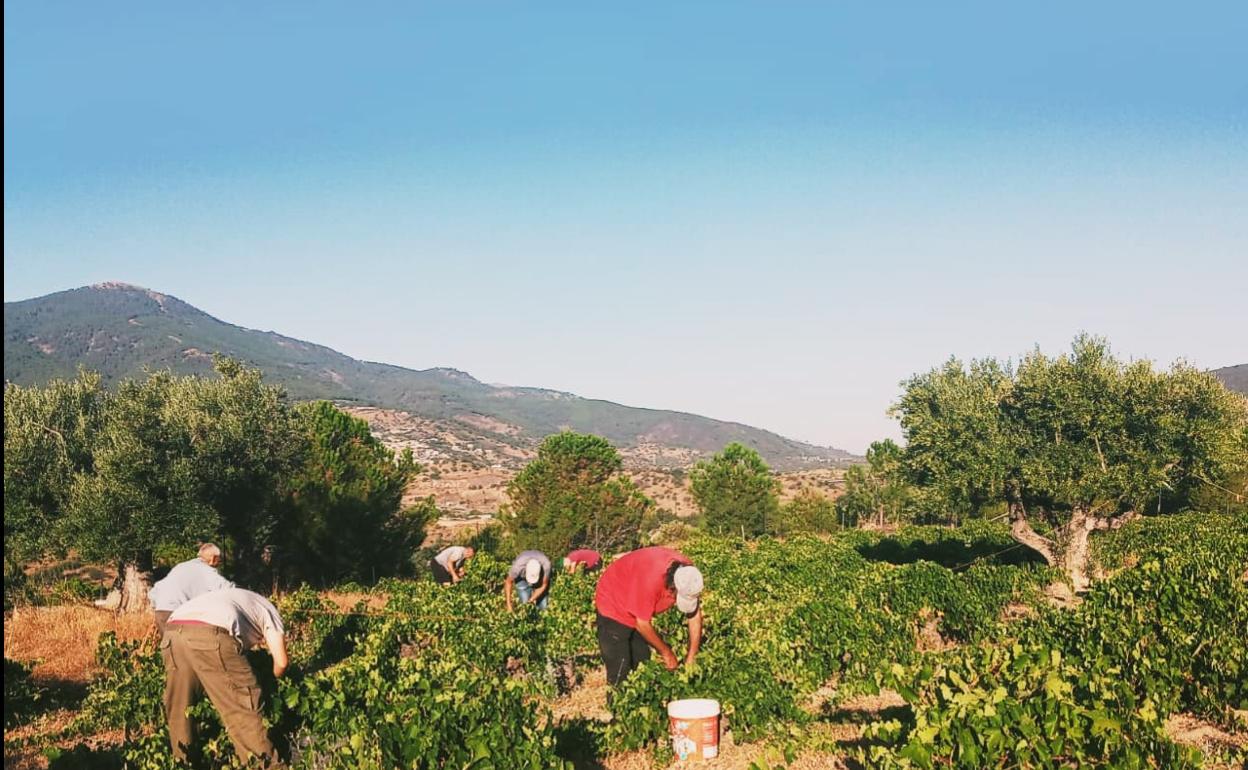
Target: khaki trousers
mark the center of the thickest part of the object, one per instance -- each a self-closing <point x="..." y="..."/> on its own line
<point x="207" y="659"/>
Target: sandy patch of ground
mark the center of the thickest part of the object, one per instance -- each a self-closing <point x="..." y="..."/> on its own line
<point x="1189" y="730"/>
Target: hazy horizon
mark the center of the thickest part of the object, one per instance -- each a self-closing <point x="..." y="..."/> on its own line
<point x="759" y="214"/>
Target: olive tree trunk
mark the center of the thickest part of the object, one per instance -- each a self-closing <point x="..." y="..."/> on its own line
<point x="1068" y="548"/>
<point x="135" y="582"/>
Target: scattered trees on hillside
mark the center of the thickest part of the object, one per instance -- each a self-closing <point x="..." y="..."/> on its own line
<point x="1069" y="444"/>
<point x="736" y="492"/>
<point x="573" y="495"/>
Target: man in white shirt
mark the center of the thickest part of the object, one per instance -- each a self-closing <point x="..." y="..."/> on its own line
<point x="448" y="565"/>
<point x="204" y="650"/>
<point x="186" y="581"/>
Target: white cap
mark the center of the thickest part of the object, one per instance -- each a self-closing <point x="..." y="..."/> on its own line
<point x="532" y="571"/>
<point x="688" y="582"/>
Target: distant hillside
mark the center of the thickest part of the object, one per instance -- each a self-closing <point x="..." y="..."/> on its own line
<point x="118" y="330"/>
<point x="1235" y="377"/>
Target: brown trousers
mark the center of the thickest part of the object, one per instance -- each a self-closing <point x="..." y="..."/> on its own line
<point x="207" y="659"/>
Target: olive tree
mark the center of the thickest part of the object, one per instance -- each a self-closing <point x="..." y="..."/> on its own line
<point x="1070" y="444"/>
<point x="179" y="460"/>
<point x="47" y="434"/>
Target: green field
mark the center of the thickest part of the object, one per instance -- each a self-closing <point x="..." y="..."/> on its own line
<point x="444" y="677"/>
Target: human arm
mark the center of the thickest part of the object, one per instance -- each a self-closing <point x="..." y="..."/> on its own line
<point x="508" y="584"/>
<point x="275" y="641"/>
<point x="695" y="635"/>
<point x="541" y="589"/>
<point x="646" y="629"/>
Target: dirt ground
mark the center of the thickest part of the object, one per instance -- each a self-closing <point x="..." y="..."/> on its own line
<point x="1212" y="740"/>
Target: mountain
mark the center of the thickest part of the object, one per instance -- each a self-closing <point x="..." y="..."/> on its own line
<point x="1234" y="377"/>
<point x="119" y="330"/>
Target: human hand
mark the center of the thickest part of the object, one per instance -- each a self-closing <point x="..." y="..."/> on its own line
<point x="670" y="661"/>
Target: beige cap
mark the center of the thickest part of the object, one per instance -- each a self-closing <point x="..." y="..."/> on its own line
<point x="688" y="582"/>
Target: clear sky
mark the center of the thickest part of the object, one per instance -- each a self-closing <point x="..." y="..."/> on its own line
<point x="766" y="212"/>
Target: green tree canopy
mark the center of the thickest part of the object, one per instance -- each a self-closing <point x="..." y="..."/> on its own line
<point x="343" y="520"/>
<point x="878" y="491"/>
<point x="573" y="496"/>
<point x="47" y="440"/>
<point x="184" y="459"/>
<point x="736" y="492"/>
<point x="809" y="511"/>
<point x="1070" y="444"/>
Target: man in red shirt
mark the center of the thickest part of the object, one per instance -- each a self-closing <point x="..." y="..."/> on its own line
<point x="582" y="559"/>
<point x="632" y="590"/>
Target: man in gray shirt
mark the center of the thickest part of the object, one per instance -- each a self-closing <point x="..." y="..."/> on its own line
<point x="186" y="581"/>
<point x="204" y="649"/>
<point x="530" y="574"/>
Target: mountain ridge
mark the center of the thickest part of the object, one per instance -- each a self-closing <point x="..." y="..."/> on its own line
<point x="120" y="330"/>
<point x="1234" y="377"/>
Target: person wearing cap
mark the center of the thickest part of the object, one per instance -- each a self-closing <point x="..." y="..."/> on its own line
<point x="582" y="560"/>
<point x="186" y="581"/>
<point x="632" y="590"/>
<point x="204" y="650"/>
<point x="530" y="574"/>
<point x="448" y="565"/>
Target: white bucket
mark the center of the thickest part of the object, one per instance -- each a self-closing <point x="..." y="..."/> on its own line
<point x="695" y="728"/>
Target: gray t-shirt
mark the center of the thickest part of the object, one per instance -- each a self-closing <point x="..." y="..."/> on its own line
<point x="245" y="614"/>
<point x="183" y="583"/>
<point x="453" y="554"/>
<point x="517" y="567"/>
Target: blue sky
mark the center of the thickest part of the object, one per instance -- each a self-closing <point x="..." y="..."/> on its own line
<point x="762" y="212"/>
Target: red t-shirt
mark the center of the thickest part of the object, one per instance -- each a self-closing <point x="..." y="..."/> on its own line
<point x="634" y="586"/>
<point x="591" y="559"/>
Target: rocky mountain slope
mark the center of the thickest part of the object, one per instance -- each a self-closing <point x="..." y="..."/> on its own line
<point x="444" y="414"/>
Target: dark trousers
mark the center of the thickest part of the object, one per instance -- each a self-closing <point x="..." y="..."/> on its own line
<point x="623" y="649"/>
<point x="440" y="573"/>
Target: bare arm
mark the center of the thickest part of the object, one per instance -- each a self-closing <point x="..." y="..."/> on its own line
<point x="695" y="636"/>
<point x="654" y="640"/>
<point x="507" y="586"/>
<point x="541" y="590"/>
<point x="456" y="575"/>
<point x="276" y="642"/>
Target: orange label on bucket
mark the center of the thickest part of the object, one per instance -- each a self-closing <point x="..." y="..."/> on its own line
<point x="695" y="738"/>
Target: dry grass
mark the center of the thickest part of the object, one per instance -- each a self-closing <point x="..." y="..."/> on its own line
<point x="588" y="700"/>
<point x="347" y="601"/>
<point x="61" y="640"/>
